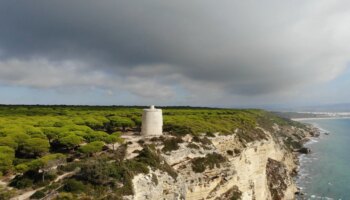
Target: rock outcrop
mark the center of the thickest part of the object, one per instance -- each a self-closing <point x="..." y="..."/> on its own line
<point x="304" y="150"/>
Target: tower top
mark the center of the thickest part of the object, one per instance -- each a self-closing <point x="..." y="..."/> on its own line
<point x="152" y="107"/>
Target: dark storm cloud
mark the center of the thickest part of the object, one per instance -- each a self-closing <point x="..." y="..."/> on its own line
<point x="239" y="47"/>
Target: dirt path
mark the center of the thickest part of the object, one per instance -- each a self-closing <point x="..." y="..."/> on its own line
<point x="27" y="194"/>
<point x="2" y="183"/>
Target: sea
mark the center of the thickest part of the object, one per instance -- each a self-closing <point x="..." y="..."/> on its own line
<point x="325" y="172"/>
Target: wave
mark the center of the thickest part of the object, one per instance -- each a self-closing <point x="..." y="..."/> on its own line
<point x="321" y="197"/>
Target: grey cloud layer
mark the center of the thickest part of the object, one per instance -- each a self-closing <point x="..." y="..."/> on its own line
<point x="234" y="47"/>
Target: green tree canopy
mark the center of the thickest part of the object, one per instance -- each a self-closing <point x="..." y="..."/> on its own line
<point x="51" y="133"/>
<point x="7" y="155"/>
<point x="91" y="147"/>
<point x="19" y="138"/>
<point x="71" y="141"/>
<point x="96" y="136"/>
<point x="122" y="122"/>
<point x="8" y="141"/>
<point x="46" y="163"/>
<point x="36" y="146"/>
<point x="114" y="138"/>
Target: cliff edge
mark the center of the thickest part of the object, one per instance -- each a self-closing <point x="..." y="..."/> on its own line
<point x="223" y="166"/>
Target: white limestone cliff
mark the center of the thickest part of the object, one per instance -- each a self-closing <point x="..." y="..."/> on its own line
<point x="260" y="170"/>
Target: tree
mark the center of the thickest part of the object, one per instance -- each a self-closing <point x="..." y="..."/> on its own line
<point x="122" y="122"/>
<point x="71" y="141"/>
<point x="22" y="168"/>
<point x="19" y="138"/>
<point x="113" y="138"/>
<point x="96" y="136"/>
<point x="47" y="163"/>
<point x="36" y="146"/>
<point x="94" y="123"/>
<point x="7" y="155"/>
<point x="51" y="133"/>
<point x="137" y="120"/>
<point x="8" y="141"/>
<point x="91" y="148"/>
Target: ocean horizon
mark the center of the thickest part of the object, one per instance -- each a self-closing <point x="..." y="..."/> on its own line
<point x="325" y="172"/>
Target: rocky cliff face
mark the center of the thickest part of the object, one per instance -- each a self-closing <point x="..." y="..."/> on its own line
<point x="224" y="167"/>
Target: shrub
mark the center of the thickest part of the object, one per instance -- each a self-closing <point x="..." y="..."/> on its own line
<point x="6" y="193"/>
<point x="204" y="140"/>
<point x="121" y="152"/>
<point x="74" y="186"/>
<point x="172" y="144"/>
<point x="193" y="146"/>
<point x="20" y="182"/>
<point x="69" y="167"/>
<point x="210" y="134"/>
<point x="199" y="165"/>
<point x="38" y="195"/>
<point x="141" y="142"/>
<point x="96" y="172"/>
<point x="65" y="196"/>
<point x="149" y="156"/>
<point x="237" y="151"/>
<point x="154" y="179"/>
<point x="22" y="168"/>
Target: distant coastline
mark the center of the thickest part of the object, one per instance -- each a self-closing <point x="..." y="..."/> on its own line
<point x="317" y="118"/>
<point x="303" y="115"/>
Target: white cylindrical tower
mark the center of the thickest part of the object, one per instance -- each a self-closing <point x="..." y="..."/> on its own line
<point x="152" y="122"/>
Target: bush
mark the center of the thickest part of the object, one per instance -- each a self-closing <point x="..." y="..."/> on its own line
<point x="171" y="144"/>
<point x="69" y="167"/>
<point x="193" y="146"/>
<point x="22" y="168"/>
<point x="210" y="134"/>
<point x="237" y="151"/>
<point x="103" y="173"/>
<point x="96" y="172"/>
<point x="204" y="140"/>
<point x="65" y="196"/>
<point x="21" y="183"/>
<point x="199" y="165"/>
<point x="6" y="193"/>
<point x="141" y="142"/>
<point x="149" y="156"/>
<point x="74" y="186"/>
<point x="38" y="195"/>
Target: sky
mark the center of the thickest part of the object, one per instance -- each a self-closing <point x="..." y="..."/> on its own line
<point x="226" y="53"/>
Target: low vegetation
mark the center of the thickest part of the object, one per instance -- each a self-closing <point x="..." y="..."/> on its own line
<point x="210" y="161"/>
<point x="171" y="144"/>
